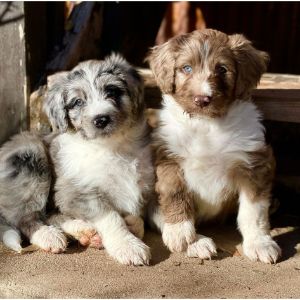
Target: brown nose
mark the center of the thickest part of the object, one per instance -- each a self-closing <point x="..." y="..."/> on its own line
<point x="201" y="100"/>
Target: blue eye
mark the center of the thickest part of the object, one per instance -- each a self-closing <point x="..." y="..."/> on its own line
<point x="187" y="69"/>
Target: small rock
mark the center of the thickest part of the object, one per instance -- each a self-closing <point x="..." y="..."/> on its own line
<point x="177" y="263"/>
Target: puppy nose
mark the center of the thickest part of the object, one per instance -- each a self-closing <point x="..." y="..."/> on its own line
<point x="101" y="121"/>
<point x="201" y="100"/>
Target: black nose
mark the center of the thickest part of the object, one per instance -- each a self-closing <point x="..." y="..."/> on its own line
<point x="101" y="121"/>
<point x="201" y="100"/>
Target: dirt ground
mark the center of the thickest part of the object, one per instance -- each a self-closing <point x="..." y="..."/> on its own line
<point x="90" y="273"/>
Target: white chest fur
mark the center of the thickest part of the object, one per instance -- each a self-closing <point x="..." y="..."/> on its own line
<point x="209" y="147"/>
<point x="95" y="166"/>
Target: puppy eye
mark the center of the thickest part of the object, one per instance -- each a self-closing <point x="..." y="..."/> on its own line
<point x="113" y="91"/>
<point x="221" y="69"/>
<point x="187" y="69"/>
<point x="75" y="102"/>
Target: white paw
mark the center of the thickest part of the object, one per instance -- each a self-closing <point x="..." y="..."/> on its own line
<point x="50" y="239"/>
<point x="135" y="225"/>
<point x="262" y="248"/>
<point x="179" y="235"/>
<point x="83" y="231"/>
<point x="204" y="248"/>
<point x="132" y="252"/>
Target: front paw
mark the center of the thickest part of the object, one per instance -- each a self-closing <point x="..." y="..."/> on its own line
<point x="50" y="239"/>
<point x="179" y="235"/>
<point x="204" y="248"/>
<point x="262" y="248"/>
<point x="132" y="252"/>
<point x="84" y="232"/>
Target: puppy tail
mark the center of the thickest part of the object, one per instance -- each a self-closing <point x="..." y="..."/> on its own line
<point x="10" y="237"/>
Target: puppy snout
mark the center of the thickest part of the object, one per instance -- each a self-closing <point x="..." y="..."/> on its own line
<point x="101" y="121"/>
<point x="202" y="101"/>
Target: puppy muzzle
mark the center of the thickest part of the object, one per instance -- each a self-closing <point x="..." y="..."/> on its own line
<point x="202" y="101"/>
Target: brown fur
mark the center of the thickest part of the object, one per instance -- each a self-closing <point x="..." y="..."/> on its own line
<point x="176" y="201"/>
<point x="244" y="65"/>
<point x="205" y="72"/>
<point x="256" y="179"/>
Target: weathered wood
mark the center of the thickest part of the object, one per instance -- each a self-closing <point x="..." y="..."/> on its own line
<point x="279" y="105"/>
<point x="13" y="86"/>
<point x="277" y="96"/>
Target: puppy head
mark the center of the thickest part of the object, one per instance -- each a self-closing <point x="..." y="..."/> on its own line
<point x="96" y="98"/>
<point x="205" y="71"/>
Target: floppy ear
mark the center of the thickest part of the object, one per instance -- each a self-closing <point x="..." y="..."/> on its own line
<point x="162" y="63"/>
<point x="54" y="104"/>
<point x="136" y="86"/>
<point x="251" y="64"/>
<point x="133" y="79"/>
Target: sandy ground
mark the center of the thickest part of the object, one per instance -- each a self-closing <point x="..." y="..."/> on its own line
<point x="90" y="273"/>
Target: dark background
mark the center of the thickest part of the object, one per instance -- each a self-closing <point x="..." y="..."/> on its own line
<point x="131" y="28"/>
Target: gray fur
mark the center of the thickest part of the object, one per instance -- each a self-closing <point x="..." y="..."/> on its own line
<point x="88" y="82"/>
<point x="24" y="182"/>
<point x="111" y="87"/>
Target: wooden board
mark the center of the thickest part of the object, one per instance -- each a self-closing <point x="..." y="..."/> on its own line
<point x="277" y="96"/>
<point x="13" y="87"/>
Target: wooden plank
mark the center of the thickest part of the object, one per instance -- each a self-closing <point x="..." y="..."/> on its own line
<point x="279" y="105"/>
<point x="13" y="86"/>
<point x="277" y="95"/>
<point x="274" y="97"/>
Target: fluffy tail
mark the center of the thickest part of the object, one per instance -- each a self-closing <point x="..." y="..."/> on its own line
<point x="10" y="237"/>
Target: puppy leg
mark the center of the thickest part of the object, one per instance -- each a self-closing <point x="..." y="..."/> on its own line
<point x="78" y="229"/>
<point x="135" y="225"/>
<point x="119" y="242"/>
<point x="253" y="221"/>
<point x="48" y="238"/>
<point x="177" y="207"/>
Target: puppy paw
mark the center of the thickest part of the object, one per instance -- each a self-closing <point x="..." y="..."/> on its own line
<point x="179" y="235"/>
<point x="135" y="225"/>
<point x="133" y="252"/>
<point x="96" y="241"/>
<point x="204" y="248"/>
<point x="84" y="232"/>
<point x="262" y="248"/>
<point x="50" y="239"/>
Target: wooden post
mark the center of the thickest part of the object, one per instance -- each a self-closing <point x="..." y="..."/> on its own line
<point x="13" y="86"/>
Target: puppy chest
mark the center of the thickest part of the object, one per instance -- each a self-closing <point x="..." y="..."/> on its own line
<point x="100" y="170"/>
<point x="211" y="185"/>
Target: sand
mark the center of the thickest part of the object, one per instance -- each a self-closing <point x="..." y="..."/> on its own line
<point x="91" y="273"/>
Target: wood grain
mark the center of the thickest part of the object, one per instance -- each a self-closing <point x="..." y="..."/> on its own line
<point x="13" y="85"/>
